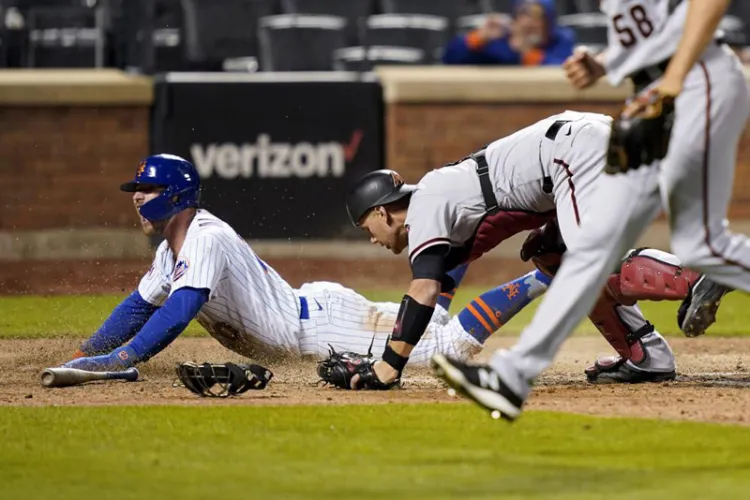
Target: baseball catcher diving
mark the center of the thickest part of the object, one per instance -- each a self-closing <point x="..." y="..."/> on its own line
<point x="542" y="179"/>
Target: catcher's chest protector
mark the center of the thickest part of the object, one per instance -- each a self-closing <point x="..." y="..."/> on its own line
<point x="499" y="226"/>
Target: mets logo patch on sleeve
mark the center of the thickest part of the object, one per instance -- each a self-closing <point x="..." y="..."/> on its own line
<point x="180" y="269"/>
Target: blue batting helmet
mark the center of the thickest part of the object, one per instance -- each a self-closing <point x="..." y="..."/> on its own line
<point x="179" y="178"/>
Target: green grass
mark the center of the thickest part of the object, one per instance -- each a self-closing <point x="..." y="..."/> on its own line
<point x="80" y="315"/>
<point x="404" y="451"/>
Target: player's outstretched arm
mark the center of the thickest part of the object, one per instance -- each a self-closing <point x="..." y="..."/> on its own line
<point x="703" y="19"/>
<point x="160" y="330"/>
<point x="416" y="311"/>
<point x="417" y="307"/>
<point x="124" y="322"/>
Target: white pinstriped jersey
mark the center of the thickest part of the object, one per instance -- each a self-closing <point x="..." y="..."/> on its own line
<point x="641" y="33"/>
<point x="350" y="322"/>
<point x="247" y="297"/>
<point x="251" y="309"/>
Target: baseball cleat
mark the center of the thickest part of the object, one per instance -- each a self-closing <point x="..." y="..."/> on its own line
<point x="616" y="370"/>
<point x="481" y="384"/>
<point x="698" y="311"/>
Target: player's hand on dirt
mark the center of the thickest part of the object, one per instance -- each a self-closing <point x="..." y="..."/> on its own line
<point x="380" y="376"/>
<point x="582" y="69"/>
<point x="353" y="371"/>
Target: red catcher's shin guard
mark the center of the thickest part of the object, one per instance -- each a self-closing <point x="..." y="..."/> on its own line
<point x="646" y="275"/>
<point x="627" y="343"/>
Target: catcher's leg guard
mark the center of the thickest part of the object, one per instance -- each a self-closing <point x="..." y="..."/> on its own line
<point x="648" y="274"/>
<point x="633" y="364"/>
<point x="619" y="335"/>
<point x="635" y="347"/>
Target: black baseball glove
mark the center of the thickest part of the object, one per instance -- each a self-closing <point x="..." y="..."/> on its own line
<point x="643" y="137"/>
<point x="230" y="379"/>
<point x="544" y="247"/>
<point x="339" y="368"/>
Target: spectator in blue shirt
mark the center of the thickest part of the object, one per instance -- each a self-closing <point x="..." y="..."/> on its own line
<point x="530" y="38"/>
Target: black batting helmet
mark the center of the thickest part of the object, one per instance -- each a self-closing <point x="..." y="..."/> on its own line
<point x="375" y="189"/>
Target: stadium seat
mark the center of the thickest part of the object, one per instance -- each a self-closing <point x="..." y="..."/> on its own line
<point x="62" y="37"/>
<point x="465" y="24"/>
<point x="3" y="48"/>
<point x="502" y="6"/>
<point x="428" y="33"/>
<point x="732" y="31"/>
<point x="367" y="58"/>
<point x="741" y="9"/>
<point x="564" y="7"/>
<point x="299" y="42"/>
<point x="590" y="29"/>
<point x="354" y="11"/>
<point x="219" y="30"/>
<point x="149" y="35"/>
<point x="578" y="7"/>
<point x="450" y="9"/>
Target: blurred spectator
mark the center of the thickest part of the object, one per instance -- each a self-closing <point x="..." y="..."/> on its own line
<point x="530" y="38"/>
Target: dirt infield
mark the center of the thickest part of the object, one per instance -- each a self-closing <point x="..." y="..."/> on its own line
<point x="713" y="383"/>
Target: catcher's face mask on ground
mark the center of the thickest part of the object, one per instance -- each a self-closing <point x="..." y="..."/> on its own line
<point x="222" y="380"/>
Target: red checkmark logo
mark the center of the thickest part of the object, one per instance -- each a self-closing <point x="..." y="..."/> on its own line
<point x="350" y="150"/>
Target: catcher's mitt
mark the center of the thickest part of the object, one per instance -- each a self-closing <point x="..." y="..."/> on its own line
<point x="232" y="379"/>
<point x="544" y="247"/>
<point x="339" y="368"/>
<point x="642" y="138"/>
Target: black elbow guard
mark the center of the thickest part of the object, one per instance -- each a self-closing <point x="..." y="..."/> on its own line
<point x="412" y="321"/>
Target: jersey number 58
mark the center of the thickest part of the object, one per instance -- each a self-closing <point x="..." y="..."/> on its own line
<point x="624" y="26"/>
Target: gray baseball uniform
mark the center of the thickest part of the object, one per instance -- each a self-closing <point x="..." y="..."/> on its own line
<point x="693" y="183"/>
<point x="552" y="165"/>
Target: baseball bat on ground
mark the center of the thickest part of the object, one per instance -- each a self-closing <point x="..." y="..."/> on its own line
<point x="65" y="377"/>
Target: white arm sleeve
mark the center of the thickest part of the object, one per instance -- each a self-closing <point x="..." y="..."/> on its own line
<point x="154" y="286"/>
<point x="200" y="264"/>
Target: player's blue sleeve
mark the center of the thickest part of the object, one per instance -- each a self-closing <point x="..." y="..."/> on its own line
<point x="124" y="322"/>
<point x="160" y="330"/>
<point x="562" y="48"/>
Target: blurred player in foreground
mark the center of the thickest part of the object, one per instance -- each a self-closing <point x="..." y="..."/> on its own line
<point x="204" y="270"/>
<point x="674" y="146"/>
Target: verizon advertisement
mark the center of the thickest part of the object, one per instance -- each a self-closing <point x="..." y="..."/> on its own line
<point x="275" y="158"/>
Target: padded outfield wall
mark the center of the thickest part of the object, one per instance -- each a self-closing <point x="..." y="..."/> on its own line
<point x="276" y="152"/>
